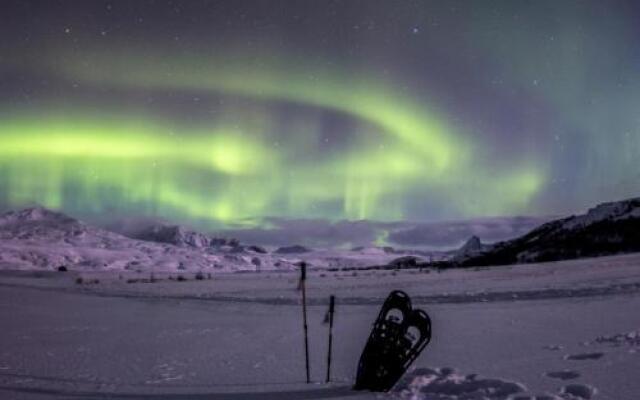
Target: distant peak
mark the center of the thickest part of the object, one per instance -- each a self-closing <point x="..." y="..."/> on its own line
<point x="472" y="244"/>
<point x="37" y="213"/>
<point x="181" y="236"/>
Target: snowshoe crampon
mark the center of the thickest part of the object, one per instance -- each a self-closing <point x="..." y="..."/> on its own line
<point x="399" y="334"/>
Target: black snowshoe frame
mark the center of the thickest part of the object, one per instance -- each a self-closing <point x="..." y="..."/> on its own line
<point x="398" y="336"/>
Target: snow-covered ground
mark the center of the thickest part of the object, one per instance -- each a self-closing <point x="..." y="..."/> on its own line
<point x="566" y="329"/>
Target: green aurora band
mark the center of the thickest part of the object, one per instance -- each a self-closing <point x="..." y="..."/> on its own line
<point x="228" y="171"/>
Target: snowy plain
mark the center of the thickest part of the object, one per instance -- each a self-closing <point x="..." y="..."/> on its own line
<point x="564" y="330"/>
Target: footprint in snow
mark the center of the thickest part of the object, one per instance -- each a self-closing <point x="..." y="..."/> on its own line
<point x="619" y="339"/>
<point x="449" y="384"/>
<point x="577" y="392"/>
<point x="569" y="392"/>
<point x="563" y="375"/>
<point x="584" y="356"/>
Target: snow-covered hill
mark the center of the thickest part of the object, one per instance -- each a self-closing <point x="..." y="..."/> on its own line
<point x="38" y="238"/>
<point x="41" y="238"/>
<point x="609" y="228"/>
<point x="182" y="237"/>
<point x="472" y="247"/>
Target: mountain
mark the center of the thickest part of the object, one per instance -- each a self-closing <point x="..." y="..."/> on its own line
<point x="40" y="225"/>
<point x="472" y="247"/>
<point x="295" y="249"/>
<point x="448" y="234"/>
<point x="38" y="238"/>
<point x="182" y="237"/>
<point x="609" y="228"/>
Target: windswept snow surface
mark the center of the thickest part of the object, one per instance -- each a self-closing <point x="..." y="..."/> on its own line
<point x="564" y="331"/>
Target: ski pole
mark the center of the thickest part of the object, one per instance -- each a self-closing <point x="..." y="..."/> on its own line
<point x="303" y="278"/>
<point x="332" y="301"/>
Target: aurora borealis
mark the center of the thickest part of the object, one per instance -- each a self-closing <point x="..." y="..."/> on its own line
<point x="224" y="113"/>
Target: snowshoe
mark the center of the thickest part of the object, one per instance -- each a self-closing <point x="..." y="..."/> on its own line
<point x="399" y="334"/>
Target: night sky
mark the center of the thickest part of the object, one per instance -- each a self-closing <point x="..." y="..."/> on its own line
<point x="231" y="113"/>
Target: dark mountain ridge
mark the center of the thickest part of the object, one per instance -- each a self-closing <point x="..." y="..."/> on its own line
<point x="607" y="229"/>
